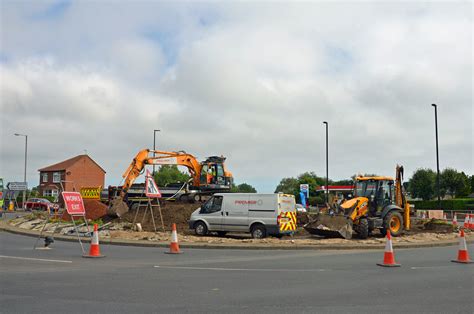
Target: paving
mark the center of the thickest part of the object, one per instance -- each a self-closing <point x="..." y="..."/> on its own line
<point x="140" y="279"/>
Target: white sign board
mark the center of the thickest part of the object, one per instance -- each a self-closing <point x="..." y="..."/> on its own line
<point x="304" y="188"/>
<point x="151" y="189"/>
<point x="17" y="186"/>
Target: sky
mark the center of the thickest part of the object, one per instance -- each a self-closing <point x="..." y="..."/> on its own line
<point x="252" y="81"/>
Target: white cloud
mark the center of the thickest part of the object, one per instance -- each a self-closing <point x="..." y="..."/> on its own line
<point x="250" y="81"/>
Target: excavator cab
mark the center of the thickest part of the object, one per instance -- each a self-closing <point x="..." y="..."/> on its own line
<point x="214" y="176"/>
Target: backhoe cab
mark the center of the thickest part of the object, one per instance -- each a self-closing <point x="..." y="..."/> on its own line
<point x="378" y="203"/>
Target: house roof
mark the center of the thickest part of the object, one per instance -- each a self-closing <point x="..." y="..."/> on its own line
<point x="63" y="165"/>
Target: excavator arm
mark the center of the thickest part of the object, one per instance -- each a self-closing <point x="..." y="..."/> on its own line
<point x="161" y="158"/>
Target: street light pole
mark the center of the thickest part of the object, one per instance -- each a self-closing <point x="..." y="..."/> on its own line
<point x="24" y="173"/>
<point x="437" y="154"/>
<point x="154" y="147"/>
<point x="327" y="164"/>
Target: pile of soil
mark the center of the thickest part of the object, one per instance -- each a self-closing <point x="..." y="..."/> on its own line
<point x="94" y="210"/>
<point x="173" y="212"/>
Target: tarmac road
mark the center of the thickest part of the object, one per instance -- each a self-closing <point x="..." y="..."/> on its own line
<point x="137" y="280"/>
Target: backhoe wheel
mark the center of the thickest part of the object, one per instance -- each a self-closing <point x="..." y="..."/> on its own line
<point x="363" y="228"/>
<point x="393" y="222"/>
<point x="258" y="232"/>
<point x="200" y="228"/>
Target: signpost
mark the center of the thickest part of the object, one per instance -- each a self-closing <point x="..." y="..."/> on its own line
<point x="151" y="192"/>
<point x="304" y="193"/>
<point x="17" y="186"/>
<point x="75" y="208"/>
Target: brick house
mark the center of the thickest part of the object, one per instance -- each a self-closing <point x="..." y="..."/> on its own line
<point x="74" y="173"/>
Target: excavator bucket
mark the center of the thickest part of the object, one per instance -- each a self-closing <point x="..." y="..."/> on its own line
<point x="330" y="226"/>
<point x="117" y="207"/>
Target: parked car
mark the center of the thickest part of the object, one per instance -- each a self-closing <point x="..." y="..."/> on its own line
<point x="38" y="204"/>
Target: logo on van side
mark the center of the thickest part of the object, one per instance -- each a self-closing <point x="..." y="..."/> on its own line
<point x="259" y="202"/>
<point x="245" y="202"/>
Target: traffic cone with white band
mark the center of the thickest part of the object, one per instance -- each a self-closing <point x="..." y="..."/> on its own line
<point x="466" y="222"/>
<point x="463" y="254"/>
<point x="388" y="257"/>
<point x="471" y="222"/>
<point x="174" y="246"/>
<point x="455" y="220"/>
<point x="94" y="250"/>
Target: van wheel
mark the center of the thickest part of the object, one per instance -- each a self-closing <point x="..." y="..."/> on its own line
<point x="258" y="232"/>
<point x="200" y="228"/>
<point x="221" y="233"/>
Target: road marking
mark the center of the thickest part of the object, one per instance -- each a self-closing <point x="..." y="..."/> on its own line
<point x="428" y="267"/>
<point x="242" y="269"/>
<point x="35" y="259"/>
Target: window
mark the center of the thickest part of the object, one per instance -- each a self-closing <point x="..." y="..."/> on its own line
<point x="56" y="177"/>
<point x="44" y="177"/>
<point x="213" y="205"/>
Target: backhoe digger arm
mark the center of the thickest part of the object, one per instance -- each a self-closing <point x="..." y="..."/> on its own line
<point x="400" y="199"/>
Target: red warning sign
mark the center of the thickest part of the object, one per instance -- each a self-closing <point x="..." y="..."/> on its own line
<point x="74" y="203"/>
<point x="151" y="189"/>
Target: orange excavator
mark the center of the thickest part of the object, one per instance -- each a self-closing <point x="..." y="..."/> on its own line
<point x="207" y="177"/>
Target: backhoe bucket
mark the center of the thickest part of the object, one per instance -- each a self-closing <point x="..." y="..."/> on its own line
<point x="117" y="207"/>
<point x="330" y="226"/>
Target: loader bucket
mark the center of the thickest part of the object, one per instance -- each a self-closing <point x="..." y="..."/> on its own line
<point x="330" y="226"/>
<point x="117" y="207"/>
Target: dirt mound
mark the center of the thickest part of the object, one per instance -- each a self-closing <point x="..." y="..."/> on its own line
<point x="173" y="212"/>
<point x="94" y="210"/>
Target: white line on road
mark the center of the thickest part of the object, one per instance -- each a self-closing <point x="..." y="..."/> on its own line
<point x="242" y="269"/>
<point x="35" y="259"/>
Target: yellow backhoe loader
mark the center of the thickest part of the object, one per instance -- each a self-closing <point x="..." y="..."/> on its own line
<point x="378" y="203"/>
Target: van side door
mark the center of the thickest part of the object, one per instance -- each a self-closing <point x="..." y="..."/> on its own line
<point x="235" y="214"/>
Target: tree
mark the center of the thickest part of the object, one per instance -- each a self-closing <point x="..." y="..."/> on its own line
<point x="454" y="183"/>
<point x="170" y="174"/>
<point x="243" y="188"/>
<point x="422" y="184"/>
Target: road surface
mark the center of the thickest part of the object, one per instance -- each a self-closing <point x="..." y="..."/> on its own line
<point x="137" y="280"/>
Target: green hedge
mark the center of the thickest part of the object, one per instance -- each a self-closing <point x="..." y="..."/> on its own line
<point x="455" y="204"/>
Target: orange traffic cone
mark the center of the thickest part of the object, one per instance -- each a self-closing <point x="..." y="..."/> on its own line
<point x="466" y="222"/>
<point x="463" y="254"/>
<point x="455" y="220"/>
<point x="389" y="257"/>
<point x="471" y="222"/>
<point x="174" y="246"/>
<point x="94" y="250"/>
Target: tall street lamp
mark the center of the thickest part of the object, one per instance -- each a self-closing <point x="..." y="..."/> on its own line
<point x="437" y="154"/>
<point x="154" y="147"/>
<point x="24" y="173"/>
<point x="327" y="165"/>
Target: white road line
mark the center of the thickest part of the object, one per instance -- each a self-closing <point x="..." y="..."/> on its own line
<point x="241" y="269"/>
<point x="35" y="259"/>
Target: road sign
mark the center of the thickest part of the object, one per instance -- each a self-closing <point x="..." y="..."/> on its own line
<point x="74" y="203"/>
<point x="17" y="186"/>
<point x="304" y="188"/>
<point x="151" y="189"/>
<point x="91" y="192"/>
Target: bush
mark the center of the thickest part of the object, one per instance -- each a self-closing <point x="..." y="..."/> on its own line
<point x="454" y="204"/>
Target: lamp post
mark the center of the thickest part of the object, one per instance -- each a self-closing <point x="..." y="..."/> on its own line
<point x="154" y="147"/>
<point x="437" y="154"/>
<point x="327" y="165"/>
<point x="24" y="173"/>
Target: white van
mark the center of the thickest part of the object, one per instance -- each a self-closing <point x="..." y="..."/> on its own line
<point x="259" y="214"/>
